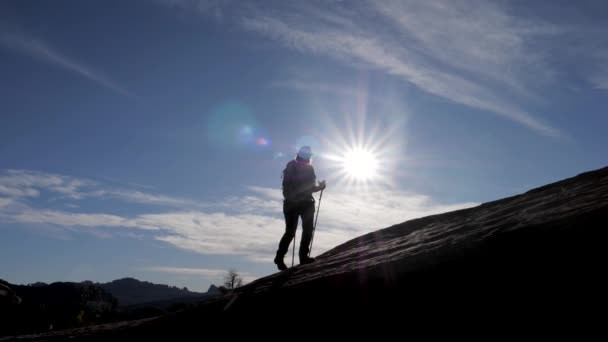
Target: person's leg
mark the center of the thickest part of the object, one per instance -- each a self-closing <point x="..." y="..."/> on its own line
<point x="307" y="211"/>
<point x="290" y="212"/>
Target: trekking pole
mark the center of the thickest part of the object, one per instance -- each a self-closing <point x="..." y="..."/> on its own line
<point x="315" y="225"/>
<point x="293" y="255"/>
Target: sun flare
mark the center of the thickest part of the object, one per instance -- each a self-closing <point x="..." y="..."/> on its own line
<point x="360" y="164"/>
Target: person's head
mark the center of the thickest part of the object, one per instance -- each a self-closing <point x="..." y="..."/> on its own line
<point x="304" y="153"/>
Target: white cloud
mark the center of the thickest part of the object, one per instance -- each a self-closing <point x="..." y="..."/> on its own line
<point x="17" y="192"/>
<point x="65" y="219"/>
<point x="39" y="49"/>
<point x="25" y="183"/>
<point x="343" y="216"/>
<point x="147" y="198"/>
<point x="249" y="225"/>
<point x="249" y="235"/>
<point x="346" y="215"/>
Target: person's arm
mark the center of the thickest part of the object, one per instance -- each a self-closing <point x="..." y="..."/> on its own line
<point x="319" y="187"/>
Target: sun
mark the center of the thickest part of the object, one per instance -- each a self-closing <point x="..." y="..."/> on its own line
<point x="361" y="143"/>
<point x="360" y="164"/>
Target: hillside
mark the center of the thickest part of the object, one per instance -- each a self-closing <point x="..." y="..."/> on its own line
<point x="535" y="259"/>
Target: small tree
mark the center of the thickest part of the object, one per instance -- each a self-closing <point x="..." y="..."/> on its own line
<point x="232" y="280"/>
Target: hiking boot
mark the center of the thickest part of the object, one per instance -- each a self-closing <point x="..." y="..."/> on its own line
<point x="280" y="264"/>
<point x="306" y="260"/>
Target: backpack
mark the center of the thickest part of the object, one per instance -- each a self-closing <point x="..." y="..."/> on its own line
<point x="289" y="176"/>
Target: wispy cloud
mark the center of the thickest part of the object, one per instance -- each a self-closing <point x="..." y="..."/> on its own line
<point x="70" y="220"/>
<point x="357" y="92"/>
<point x="214" y="8"/>
<point x="478" y="37"/>
<point x="135" y="196"/>
<point x="315" y="86"/>
<point x="26" y="183"/>
<point x="411" y="62"/>
<point x="17" y="192"/>
<point x="38" y="49"/>
<point x="216" y="232"/>
<point x="474" y="53"/>
<point x="23" y="183"/>
<point x="248" y="225"/>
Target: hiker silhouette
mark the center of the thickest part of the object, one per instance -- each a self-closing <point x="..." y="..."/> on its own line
<point x="299" y="182"/>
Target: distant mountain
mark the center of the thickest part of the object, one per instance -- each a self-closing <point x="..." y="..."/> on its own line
<point x="214" y="290"/>
<point x="41" y="307"/>
<point x="8" y="296"/>
<point x="130" y="291"/>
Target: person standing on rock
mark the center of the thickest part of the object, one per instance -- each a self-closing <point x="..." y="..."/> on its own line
<point x="299" y="182"/>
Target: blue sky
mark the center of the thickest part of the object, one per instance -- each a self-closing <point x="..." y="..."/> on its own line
<point x="147" y="138"/>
